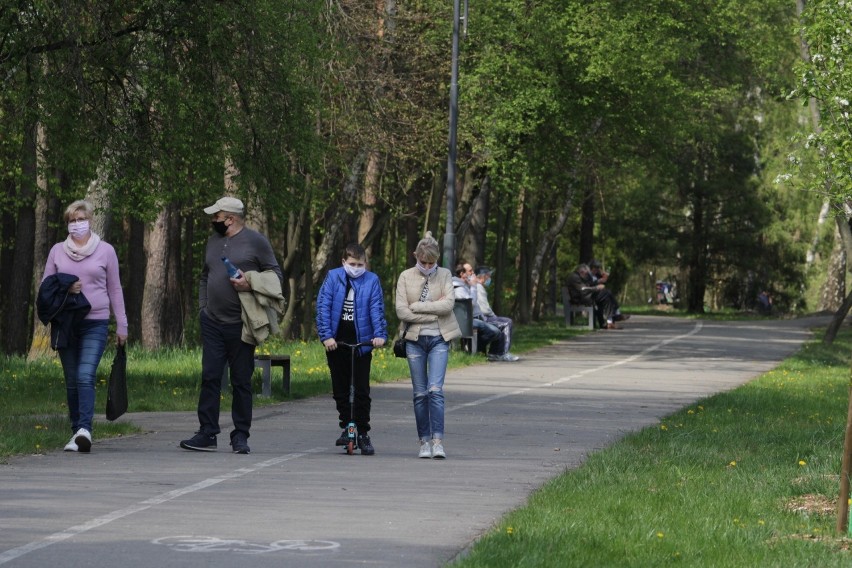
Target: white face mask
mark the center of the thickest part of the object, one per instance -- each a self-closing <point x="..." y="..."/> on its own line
<point x="427" y="271"/>
<point x="78" y="229"/>
<point x="354" y="271"/>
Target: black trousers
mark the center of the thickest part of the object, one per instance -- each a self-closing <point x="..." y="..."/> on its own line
<point x="605" y="305"/>
<point x="340" y="365"/>
<point x="222" y="345"/>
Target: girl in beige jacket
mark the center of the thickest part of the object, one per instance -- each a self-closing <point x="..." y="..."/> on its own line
<point x="424" y="306"/>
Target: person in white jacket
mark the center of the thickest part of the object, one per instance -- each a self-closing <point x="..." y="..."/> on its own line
<point x="504" y="324"/>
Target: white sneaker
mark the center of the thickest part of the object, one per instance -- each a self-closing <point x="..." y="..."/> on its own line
<point x="71" y="446"/>
<point x="438" y="449"/>
<point x="509" y="357"/>
<point x="425" y="450"/>
<point x="83" y="439"/>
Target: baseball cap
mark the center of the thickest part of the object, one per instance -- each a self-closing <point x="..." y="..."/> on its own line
<point x="227" y="204"/>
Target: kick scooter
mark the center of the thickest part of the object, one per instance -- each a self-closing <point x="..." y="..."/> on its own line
<point x="350" y="428"/>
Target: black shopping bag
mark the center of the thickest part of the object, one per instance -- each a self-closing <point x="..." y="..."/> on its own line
<point x="117" y="389"/>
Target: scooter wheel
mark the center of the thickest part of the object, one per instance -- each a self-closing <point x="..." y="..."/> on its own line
<point x="350" y="448"/>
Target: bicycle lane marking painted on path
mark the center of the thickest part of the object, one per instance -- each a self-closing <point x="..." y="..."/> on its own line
<point x="71" y="532"/>
<point x="697" y="328"/>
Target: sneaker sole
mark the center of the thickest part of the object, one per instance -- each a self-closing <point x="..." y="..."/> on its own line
<point x="84" y="445"/>
<point x="242" y="451"/>
<point x="198" y="449"/>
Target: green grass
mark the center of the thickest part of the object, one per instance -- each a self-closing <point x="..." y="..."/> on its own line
<point x="745" y="478"/>
<point x="33" y="411"/>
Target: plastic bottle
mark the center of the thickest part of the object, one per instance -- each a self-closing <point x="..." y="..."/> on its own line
<point x="232" y="270"/>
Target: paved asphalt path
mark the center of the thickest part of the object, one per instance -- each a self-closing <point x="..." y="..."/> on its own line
<point x="296" y="500"/>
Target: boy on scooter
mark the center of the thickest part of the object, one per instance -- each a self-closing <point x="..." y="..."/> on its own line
<point x="350" y="310"/>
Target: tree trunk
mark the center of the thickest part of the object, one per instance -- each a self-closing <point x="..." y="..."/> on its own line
<point x="546" y="245"/>
<point x="368" y="200"/>
<point x="40" y="342"/>
<point x="833" y="290"/>
<point x="528" y="230"/>
<point x="845" y="233"/>
<point x="813" y="108"/>
<point x="436" y="206"/>
<point x="502" y="230"/>
<point x="472" y="230"/>
<point x="162" y="318"/>
<point x="334" y="225"/>
<point x="697" y="282"/>
<point x="587" y="224"/>
<point x="16" y="326"/>
<point x="134" y="287"/>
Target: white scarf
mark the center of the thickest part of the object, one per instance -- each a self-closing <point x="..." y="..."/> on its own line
<point x="77" y="252"/>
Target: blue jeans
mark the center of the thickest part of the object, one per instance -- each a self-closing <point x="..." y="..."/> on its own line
<point x="80" y="366"/>
<point x="427" y="362"/>
<point x="489" y="337"/>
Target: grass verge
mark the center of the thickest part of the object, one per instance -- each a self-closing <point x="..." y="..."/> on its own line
<point x="34" y="414"/>
<point x="745" y="478"/>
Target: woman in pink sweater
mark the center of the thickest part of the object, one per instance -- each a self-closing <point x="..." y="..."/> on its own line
<point x="95" y="264"/>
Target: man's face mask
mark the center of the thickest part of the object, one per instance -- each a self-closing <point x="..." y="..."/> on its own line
<point x="219" y="227"/>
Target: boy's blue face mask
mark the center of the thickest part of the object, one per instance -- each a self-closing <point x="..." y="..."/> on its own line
<point x="488" y="281"/>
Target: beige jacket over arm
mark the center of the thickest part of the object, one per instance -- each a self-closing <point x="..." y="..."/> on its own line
<point x="410" y="310"/>
<point x="262" y="306"/>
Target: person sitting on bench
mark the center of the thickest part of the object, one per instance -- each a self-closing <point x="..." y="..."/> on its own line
<point x="488" y="333"/>
<point x="504" y="324"/>
<point x="599" y="276"/>
<point x="583" y="291"/>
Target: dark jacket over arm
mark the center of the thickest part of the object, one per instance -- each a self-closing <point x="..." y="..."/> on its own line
<point x="61" y="309"/>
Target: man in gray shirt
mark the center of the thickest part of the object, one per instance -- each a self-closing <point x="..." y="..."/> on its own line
<point x="221" y="322"/>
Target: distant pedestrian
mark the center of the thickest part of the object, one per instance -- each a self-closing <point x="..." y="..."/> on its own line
<point x="223" y="341"/>
<point x="424" y="305"/>
<point x="351" y="309"/>
<point x="86" y="266"/>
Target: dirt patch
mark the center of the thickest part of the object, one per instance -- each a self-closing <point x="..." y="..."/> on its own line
<point x="812" y="504"/>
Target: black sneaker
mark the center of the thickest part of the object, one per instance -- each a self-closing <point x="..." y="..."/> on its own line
<point x="365" y="445"/>
<point x="240" y="444"/>
<point x="201" y="442"/>
<point x="343" y="439"/>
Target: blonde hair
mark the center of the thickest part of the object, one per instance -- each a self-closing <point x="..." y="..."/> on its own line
<point x="427" y="249"/>
<point x="79" y="205"/>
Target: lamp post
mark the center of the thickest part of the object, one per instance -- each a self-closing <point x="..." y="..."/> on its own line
<point x="449" y="235"/>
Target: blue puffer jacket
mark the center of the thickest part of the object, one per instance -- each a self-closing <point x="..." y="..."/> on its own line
<point x="369" y="306"/>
